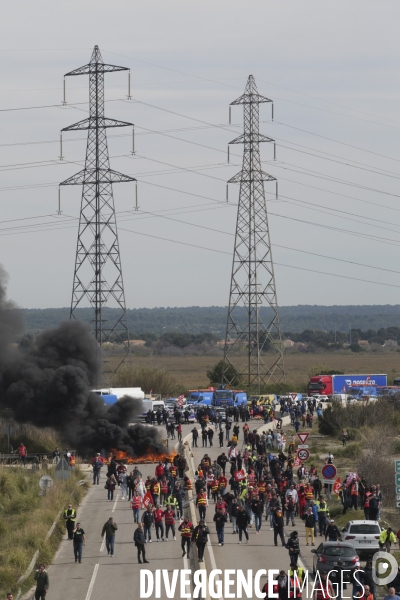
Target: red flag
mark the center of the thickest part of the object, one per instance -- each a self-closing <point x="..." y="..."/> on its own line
<point x="297" y="462"/>
<point x="337" y="486"/>
<point x="148" y="499"/>
<point x="239" y="475"/>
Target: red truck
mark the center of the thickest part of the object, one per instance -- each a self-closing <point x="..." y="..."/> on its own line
<point x="327" y="385"/>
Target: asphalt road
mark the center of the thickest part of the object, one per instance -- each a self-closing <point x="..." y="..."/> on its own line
<point x="101" y="577"/>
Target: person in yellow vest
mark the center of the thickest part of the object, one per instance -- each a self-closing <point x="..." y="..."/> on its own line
<point x="202" y="503"/>
<point x="70" y="518"/>
<point x="214" y="490"/>
<point x="323" y="515"/>
<point x="187" y="483"/>
<point x="386" y="539"/>
<point x="156" y="491"/>
<point x="186" y="529"/>
<point x="309" y="493"/>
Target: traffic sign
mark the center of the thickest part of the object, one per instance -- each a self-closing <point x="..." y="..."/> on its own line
<point x="302" y="446"/>
<point x="303" y="454"/>
<point x="397" y="496"/>
<point x="397" y="490"/>
<point x="398" y="504"/>
<point x="397" y="463"/>
<point x="329" y="471"/>
<point x="303" y="437"/>
<point x="46" y="482"/>
<point x="397" y="477"/>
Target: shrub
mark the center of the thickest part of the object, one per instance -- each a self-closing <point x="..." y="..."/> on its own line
<point x="218" y="373"/>
<point x="352" y="450"/>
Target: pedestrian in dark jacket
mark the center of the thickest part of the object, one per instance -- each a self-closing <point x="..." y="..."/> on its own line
<point x="332" y="533"/>
<point x="293" y="546"/>
<point x="140" y="540"/>
<point x="42" y="582"/>
<point x="109" y="529"/>
<point x="278" y="528"/>
<point x="200" y="538"/>
<point x="147" y="520"/>
<point x="242" y="521"/>
<point x="220" y="519"/>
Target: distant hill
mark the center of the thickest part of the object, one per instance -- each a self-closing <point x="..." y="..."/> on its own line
<point x="212" y="319"/>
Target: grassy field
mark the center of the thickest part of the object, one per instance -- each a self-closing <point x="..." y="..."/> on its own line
<point x="191" y="370"/>
<point x="25" y="519"/>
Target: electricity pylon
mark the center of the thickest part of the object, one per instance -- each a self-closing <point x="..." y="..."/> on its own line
<point x="253" y="280"/>
<point x="98" y="273"/>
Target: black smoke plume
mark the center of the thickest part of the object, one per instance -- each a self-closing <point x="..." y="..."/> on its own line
<point x="49" y="386"/>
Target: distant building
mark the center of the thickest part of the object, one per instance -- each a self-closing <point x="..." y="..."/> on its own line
<point x="136" y="342"/>
<point x="221" y="343"/>
<point x="390" y="343"/>
<point x="363" y="343"/>
<point x="288" y="343"/>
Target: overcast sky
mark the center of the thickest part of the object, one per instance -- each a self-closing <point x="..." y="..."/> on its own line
<point x="332" y="71"/>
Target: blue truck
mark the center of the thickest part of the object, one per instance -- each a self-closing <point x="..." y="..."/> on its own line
<point x="221" y="397"/>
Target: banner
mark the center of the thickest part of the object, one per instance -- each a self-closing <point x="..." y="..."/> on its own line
<point x="337" y="486"/>
<point x="240" y="475"/>
<point x="297" y="462"/>
<point x="148" y="499"/>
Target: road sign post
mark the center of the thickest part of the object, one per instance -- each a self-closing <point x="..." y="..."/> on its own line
<point x="329" y="472"/>
<point x="303" y="454"/>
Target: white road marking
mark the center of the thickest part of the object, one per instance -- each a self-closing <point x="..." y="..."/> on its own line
<point x="115" y="503"/>
<point x="103" y="544"/>
<point x="91" y="584"/>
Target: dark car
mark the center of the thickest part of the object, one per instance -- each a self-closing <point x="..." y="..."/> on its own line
<point x="332" y="555"/>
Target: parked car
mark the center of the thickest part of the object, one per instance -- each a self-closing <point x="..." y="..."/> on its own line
<point x="329" y="555"/>
<point x="363" y="536"/>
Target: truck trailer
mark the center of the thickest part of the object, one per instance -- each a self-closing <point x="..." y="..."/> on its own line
<point x="327" y="385"/>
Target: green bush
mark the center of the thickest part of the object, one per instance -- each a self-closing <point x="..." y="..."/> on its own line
<point x="352" y="450"/>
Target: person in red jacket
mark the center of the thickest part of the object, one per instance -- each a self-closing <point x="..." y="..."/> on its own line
<point x="22" y="453"/>
<point x="136" y="505"/>
<point x="160" y="470"/>
<point x="169" y="518"/>
<point x="158" y="515"/>
<point x="222" y="484"/>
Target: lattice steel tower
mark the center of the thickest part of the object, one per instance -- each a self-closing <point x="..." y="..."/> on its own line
<point x="253" y="281"/>
<point x="98" y="274"/>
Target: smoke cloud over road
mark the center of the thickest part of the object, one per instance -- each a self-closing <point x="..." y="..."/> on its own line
<point x="49" y="385"/>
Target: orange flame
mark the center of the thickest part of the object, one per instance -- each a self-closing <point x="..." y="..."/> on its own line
<point x="149" y="457"/>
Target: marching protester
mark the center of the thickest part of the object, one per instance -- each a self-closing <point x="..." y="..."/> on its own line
<point x="186" y="529"/>
<point x="70" y="518"/>
<point x="42" y="582"/>
<point x="109" y="529"/>
<point x="140" y="541"/>
<point x="200" y="538"/>
<point x="79" y="540"/>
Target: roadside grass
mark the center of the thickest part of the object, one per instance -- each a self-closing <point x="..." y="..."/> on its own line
<point x="36" y="439"/>
<point x="25" y="519"/>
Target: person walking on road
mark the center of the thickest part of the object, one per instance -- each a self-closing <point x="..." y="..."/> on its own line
<point x="109" y="529"/>
<point x="140" y="541"/>
<point x="195" y="436"/>
<point x="332" y="533"/>
<point x="158" y="522"/>
<point x="220" y="518"/>
<point x="242" y="521"/>
<point x="293" y="546"/>
<point x="136" y="505"/>
<point x="148" y="521"/>
<point x="42" y="582"/>
<point x="169" y="517"/>
<point x="200" y="537"/>
<point x="111" y="484"/>
<point x="186" y="529"/>
<point x="96" y="466"/>
<point x="279" y="528"/>
<point x="79" y="540"/>
<point x="386" y="539"/>
<point x="310" y="524"/>
<point x="70" y="518"/>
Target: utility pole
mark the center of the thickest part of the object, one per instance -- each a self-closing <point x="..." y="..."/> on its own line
<point x="253" y="280"/>
<point x="98" y="274"/>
